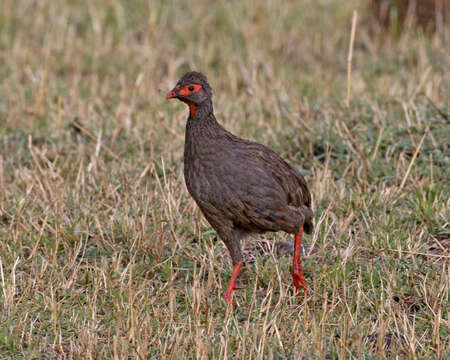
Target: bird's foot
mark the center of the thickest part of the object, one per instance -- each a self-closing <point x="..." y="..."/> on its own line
<point x="297" y="268"/>
<point x="232" y="285"/>
<point x="298" y="280"/>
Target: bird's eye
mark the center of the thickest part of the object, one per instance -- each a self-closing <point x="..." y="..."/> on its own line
<point x="191" y="88"/>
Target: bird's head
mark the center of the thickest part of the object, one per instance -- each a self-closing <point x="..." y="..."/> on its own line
<point x="193" y="89"/>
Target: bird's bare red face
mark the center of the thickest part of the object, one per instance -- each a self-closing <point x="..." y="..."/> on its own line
<point x="185" y="91"/>
<point x="183" y="94"/>
<point x="190" y="89"/>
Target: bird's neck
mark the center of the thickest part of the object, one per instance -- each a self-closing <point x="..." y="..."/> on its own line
<point x="200" y="111"/>
<point x="201" y="121"/>
<point x="203" y="134"/>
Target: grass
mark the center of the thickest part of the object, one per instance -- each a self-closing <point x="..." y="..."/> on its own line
<point x="103" y="254"/>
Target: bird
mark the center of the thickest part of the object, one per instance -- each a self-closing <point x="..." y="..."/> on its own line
<point x="241" y="187"/>
<point x="429" y="15"/>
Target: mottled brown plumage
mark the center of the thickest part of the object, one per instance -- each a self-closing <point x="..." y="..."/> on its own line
<point x="240" y="186"/>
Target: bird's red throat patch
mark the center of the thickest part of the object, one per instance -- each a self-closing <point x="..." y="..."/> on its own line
<point x="192" y="108"/>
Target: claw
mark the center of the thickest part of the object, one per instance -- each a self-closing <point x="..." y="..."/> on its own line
<point x="299" y="280"/>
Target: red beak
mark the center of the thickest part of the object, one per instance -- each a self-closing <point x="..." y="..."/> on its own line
<point x="172" y="94"/>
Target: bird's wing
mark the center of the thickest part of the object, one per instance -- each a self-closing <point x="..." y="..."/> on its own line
<point x="263" y="192"/>
<point x="287" y="177"/>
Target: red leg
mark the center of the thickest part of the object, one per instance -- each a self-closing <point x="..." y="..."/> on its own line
<point x="297" y="268"/>
<point x="231" y="285"/>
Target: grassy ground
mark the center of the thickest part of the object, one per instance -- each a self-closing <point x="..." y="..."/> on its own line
<point x="104" y="255"/>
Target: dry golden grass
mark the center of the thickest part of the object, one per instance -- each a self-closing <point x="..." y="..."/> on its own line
<point x="104" y="255"/>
